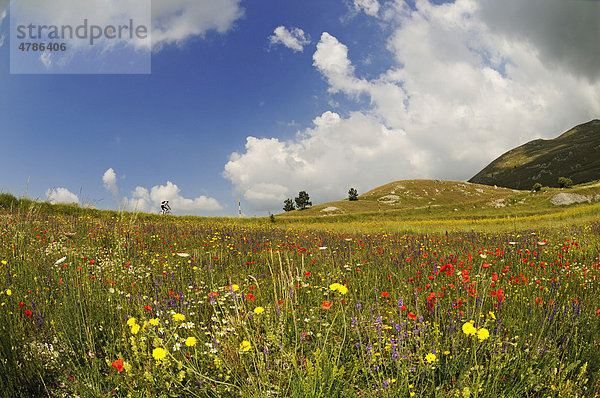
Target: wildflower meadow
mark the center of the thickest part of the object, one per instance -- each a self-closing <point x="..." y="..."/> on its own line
<point x="119" y="306"/>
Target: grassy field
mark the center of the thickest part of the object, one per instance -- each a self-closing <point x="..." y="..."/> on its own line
<point x="451" y="304"/>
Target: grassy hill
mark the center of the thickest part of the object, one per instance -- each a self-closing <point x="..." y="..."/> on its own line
<point x="574" y="154"/>
<point x="408" y="194"/>
<point x="451" y="200"/>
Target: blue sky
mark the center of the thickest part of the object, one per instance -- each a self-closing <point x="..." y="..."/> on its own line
<point x="380" y="91"/>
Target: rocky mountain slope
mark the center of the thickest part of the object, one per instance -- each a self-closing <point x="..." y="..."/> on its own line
<point x="575" y="155"/>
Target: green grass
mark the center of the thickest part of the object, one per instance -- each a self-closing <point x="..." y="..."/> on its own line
<point x="104" y="287"/>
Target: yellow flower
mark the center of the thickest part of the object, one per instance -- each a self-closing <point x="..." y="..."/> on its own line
<point x="4" y="262"/>
<point x="153" y="321"/>
<point x="430" y="358"/>
<point x="259" y="310"/>
<point x="159" y="353"/>
<point x="131" y="322"/>
<point x="178" y="317"/>
<point x="469" y="329"/>
<point x="339" y="287"/>
<point x="135" y="329"/>
<point x="492" y="315"/>
<point x="8" y="292"/>
<point x="245" y="345"/>
<point x="235" y="288"/>
<point x="483" y="334"/>
<point x="190" y="341"/>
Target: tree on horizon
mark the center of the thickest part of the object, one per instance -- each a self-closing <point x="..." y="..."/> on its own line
<point x="288" y="205"/>
<point x="303" y="200"/>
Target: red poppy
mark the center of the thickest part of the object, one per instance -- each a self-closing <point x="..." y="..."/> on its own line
<point x="27" y="313"/>
<point x="148" y="308"/>
<point x="403" y="308"/>
<point x="307" y="273"/>
<point x="327" y="305"/>
<point x="280" y="302"/>
<point x="252" y="287"/>
<point x="539" y="300"/>
<point x="598" y="312"/>
<point x="118" y="364"/>
<point x="385" y="294"/>
<point x="213" y="294"/>
<point x="21" y="304"/>
<point x="486" y="265"/>
<point x="411" y="315"/>
<point x="250" y="296"/>
<point x="500" y="295"/>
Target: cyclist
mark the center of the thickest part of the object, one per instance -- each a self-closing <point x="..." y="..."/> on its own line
<point x="164" y="207"/>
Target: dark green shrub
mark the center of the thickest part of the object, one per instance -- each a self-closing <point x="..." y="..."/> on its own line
<point x="564" y="182"/>
<point x="352" y="194"/>
<point x="288" y="205"/>
<point x="303" y="200"/>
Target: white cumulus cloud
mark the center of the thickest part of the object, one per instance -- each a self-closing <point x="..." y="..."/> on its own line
<point x="325" y="160"/>
<point x="146" y="200"/>
<point x="370" y="7"/>
<point x="172" y="21"/>
<point x="294" y="39"/>
<point x="110" y="182"/>
<point x="331" y="59"/>
<point x="456" y="94"/>
<point x="61" y="195"/>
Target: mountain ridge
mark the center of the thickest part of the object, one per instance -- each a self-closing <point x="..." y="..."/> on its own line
<point x="573" y="154"/>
